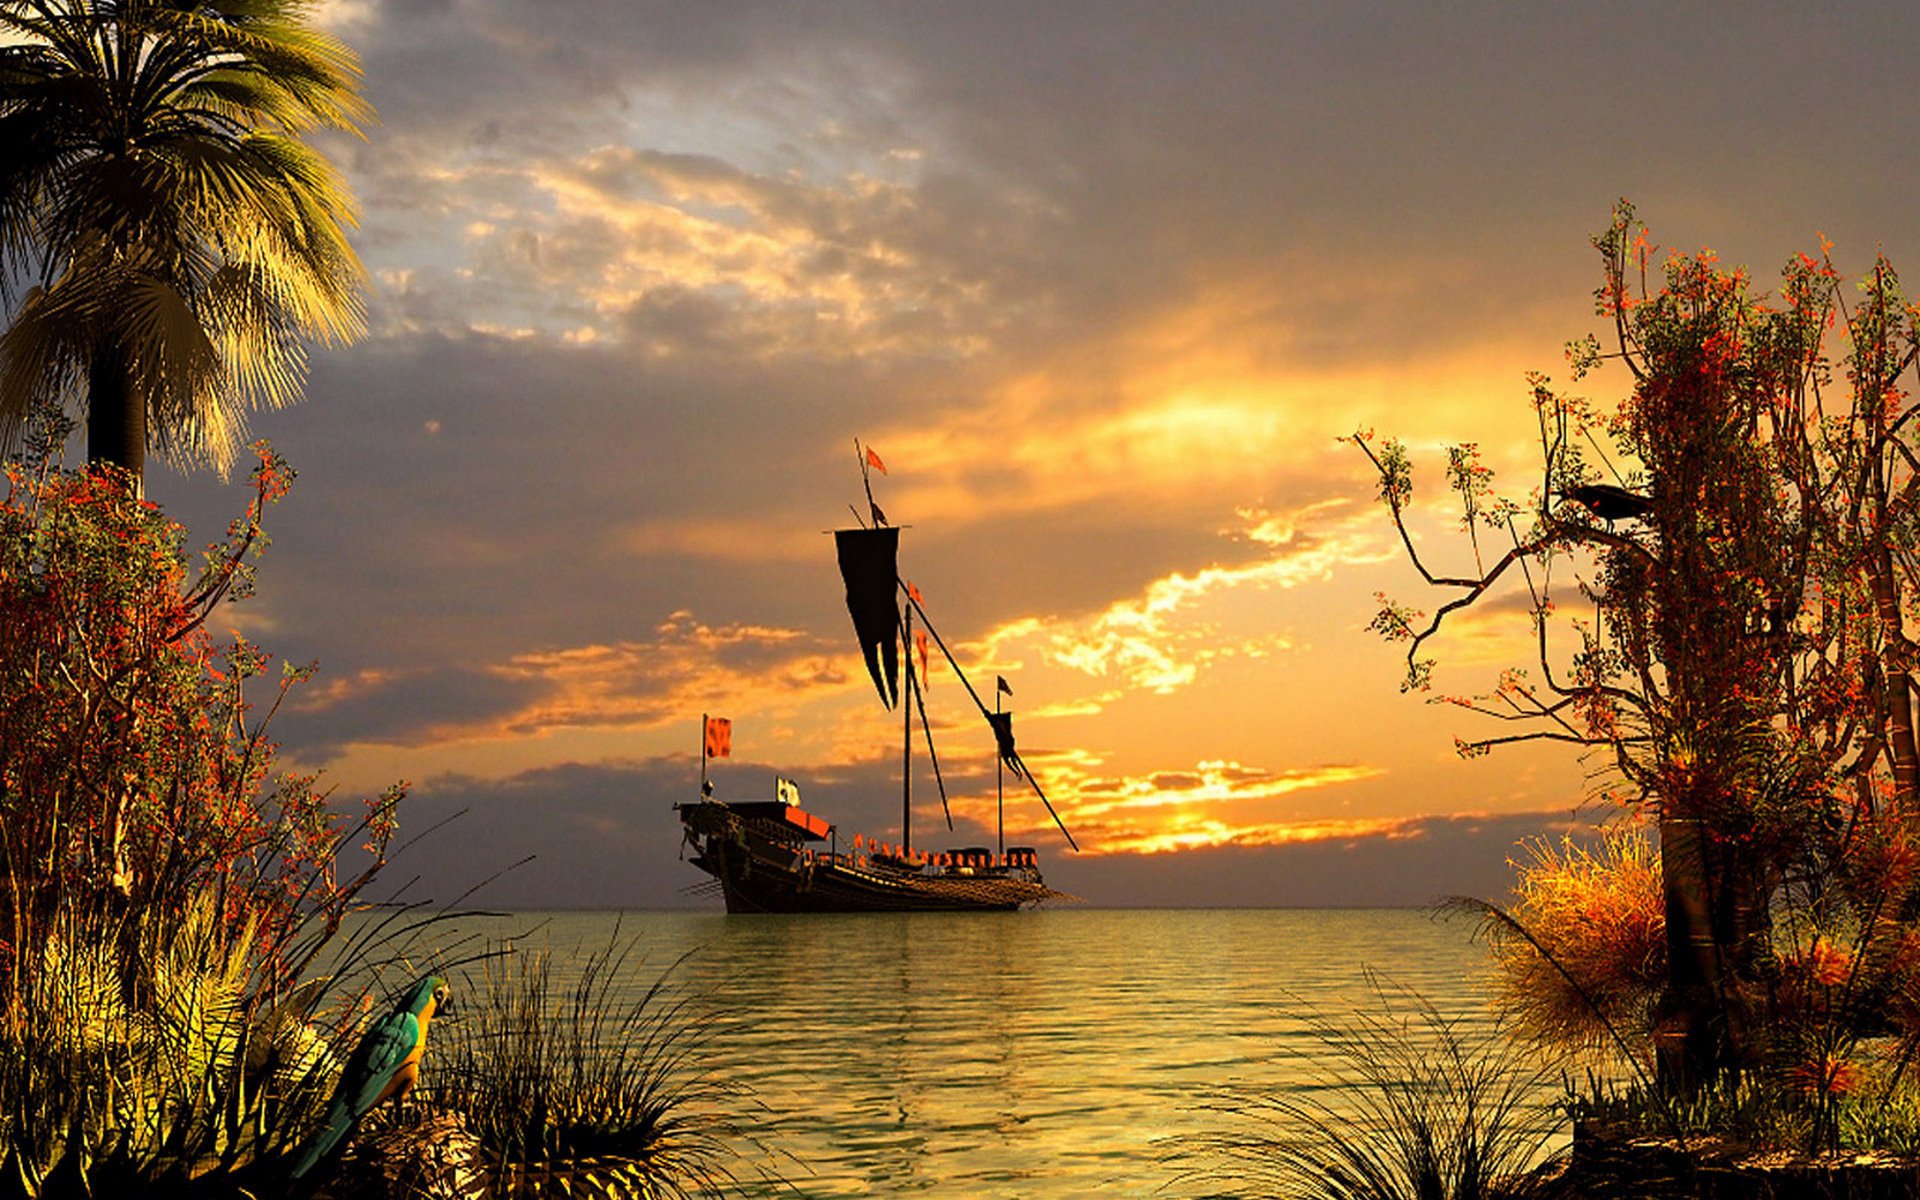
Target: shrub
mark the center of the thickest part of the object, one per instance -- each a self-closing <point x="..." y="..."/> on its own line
<point x="1595" y="958"/>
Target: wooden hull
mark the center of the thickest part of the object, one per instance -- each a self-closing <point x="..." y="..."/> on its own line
<point x="760" y="869"/>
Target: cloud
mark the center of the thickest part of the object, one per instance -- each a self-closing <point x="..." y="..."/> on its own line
<point x="1213" y="804"/>
<point x="1161" y="639"/>
<point x="1101" y="291"/>
<point x="687" y="665"/>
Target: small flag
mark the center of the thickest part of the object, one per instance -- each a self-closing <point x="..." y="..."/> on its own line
<point x="786" y="790"/>
<point x="915" y="593"/>
<point x="873" y="460"/>
<point x="719" y="737"/>
<point x="920" y="644"/>
<point x="1000" y="682"/>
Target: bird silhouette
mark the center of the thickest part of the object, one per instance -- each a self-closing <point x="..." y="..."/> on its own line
<point x="382" y="1067"/>
<point x="1611" y="503"/>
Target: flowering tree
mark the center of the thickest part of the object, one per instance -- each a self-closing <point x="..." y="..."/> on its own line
<point x="1735" y="540"/>
<point x="132" y="774"/>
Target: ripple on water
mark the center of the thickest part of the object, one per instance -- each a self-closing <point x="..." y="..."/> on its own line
<point x="1039" y="1055"/>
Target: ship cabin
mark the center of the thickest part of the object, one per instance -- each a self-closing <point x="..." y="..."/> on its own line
<point x="784" y="822"/>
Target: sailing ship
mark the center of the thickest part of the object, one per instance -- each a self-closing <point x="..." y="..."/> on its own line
<point x="774" y="856"/>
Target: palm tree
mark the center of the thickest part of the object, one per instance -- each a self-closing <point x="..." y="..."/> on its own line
<point x="171" y="240"/>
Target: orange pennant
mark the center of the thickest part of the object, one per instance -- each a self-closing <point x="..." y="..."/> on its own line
<point x="873" y="460"/>
<point x="920" y="644"/>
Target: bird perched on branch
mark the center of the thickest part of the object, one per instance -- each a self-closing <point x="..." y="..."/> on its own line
<point x="383" y="1067"/>
<point x="1611" y="503"/>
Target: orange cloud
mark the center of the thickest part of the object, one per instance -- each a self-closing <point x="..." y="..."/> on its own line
<point x="1214" y="803"/>
<point x="1159" y="640"/>
<point x="675" y="254"/>
<point x="687" y="667"/>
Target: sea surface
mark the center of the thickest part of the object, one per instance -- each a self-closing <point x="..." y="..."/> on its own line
<point x="1056" y="1054"/>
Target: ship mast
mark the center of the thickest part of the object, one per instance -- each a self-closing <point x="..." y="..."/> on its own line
<point x="906" y="737"/>
<point x="999" y="789"/>
<point x="868" y="559"/>
<point x="1008" y="755"/>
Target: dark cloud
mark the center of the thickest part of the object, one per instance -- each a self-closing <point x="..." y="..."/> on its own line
<point x="402" y="710"/>
<point x="1327" y="145"/>
<point x="1421" y="865"/>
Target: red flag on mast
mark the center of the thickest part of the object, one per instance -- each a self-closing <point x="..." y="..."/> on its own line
<point x="719" y="737"/>
<point x="920" y="644"/>
<point x="873" y="460"/>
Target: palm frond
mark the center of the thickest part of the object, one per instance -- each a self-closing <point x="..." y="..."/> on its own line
<point x="155" y="146"/>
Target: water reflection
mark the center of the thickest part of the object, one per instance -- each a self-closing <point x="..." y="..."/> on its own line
<point x="1032" y="1055"/>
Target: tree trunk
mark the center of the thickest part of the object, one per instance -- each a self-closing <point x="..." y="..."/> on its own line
<point x="116" y="419"/>
<point x="1900" y="735"/>
<point x="1684" y="1034"/>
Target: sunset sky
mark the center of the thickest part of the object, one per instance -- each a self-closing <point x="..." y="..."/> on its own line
<point x="1103" y="284"/>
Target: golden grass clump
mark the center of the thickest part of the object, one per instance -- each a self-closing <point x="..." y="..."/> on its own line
<point x="1593" y="958"/>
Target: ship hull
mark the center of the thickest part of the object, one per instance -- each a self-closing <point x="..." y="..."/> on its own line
<point x="760" y="869"/>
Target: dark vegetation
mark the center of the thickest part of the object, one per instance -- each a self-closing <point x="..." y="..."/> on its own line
<point x="188" y="949"/>
<point x="1722" y="572"/>
<point x="187" y="958"/>
<point x="1405" y="1103"/>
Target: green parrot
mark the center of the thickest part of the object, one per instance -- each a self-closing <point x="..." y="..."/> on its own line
<point x="383" y="1067"/>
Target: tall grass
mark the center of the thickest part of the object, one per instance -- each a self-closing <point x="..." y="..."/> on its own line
<point x="1581" y="958"/>
<point x="156" y="1058"/>
<point x="1404" y="1103"/>
<point x="588" y="1086"/>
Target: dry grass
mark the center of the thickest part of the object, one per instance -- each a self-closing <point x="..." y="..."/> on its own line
<point x="147" y="1058"/>
<point x="1594" y="957"/>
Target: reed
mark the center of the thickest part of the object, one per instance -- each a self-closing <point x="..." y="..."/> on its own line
<point x="1404" y="1103"/>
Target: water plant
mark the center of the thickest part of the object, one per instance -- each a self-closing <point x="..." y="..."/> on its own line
<point x="1405" y="1103"/>
<point x="585" y="1086"/>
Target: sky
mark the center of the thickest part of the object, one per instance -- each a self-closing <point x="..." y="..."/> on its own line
<point x="1103" y="285"/>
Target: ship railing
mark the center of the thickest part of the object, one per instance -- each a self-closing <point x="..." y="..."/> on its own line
<point x="1018" y="861"/>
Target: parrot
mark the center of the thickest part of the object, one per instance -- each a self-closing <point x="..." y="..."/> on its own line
<point x="383" y="1067"/>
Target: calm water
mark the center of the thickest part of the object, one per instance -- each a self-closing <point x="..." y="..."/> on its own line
<point x="1033" y="1055"/>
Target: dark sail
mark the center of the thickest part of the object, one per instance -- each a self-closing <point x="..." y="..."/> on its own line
<point x="868" y="559"/>
<point x="1002" y="723"/>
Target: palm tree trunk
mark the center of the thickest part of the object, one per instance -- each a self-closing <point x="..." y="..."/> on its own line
<point x="116" y="420"/>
